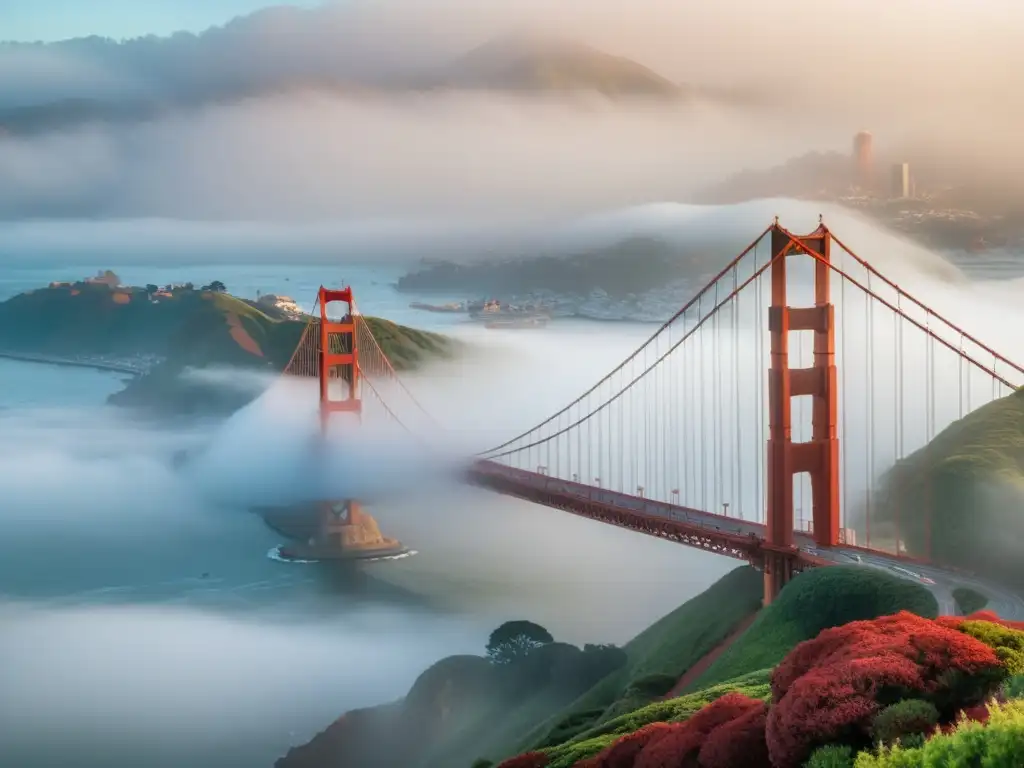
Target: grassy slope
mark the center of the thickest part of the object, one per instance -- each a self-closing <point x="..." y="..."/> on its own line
<point x="670" y="646"/>
<point x="816" y="600"/>
<point x="191" y="330"/>
<point x="970" y="480"/>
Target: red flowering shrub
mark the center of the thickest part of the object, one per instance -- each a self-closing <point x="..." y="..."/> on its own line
<point x="828" y="690"/>
<point x="679" y="748"/>
<point x="526" y="760"/>
<point x="739" y="742"/>
<point x="622" y="753"/>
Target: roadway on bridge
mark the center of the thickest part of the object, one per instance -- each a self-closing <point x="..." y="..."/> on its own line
<point x="939" y="581"/>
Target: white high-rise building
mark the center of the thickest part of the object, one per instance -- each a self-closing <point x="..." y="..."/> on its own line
<point x="901" y="185"/>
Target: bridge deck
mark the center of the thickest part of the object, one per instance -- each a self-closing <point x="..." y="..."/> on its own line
<point x="733" y="537"/>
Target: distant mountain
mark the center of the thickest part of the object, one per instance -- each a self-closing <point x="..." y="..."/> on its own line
<point x="187" y="72"/>
<point x="521" y="62"/>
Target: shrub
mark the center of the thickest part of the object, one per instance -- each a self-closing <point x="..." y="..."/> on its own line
<point x="899" y="720"/>
<point x="623" y="752"/>
<point x="831" y="756"/>
<point x="652" y="686"/>
<point x="738" y="742"/>
<point x="592" y="741"/>
<point x="526" y="760"/>
<point x="482" y="763"/>
<point x="682" y="744"/>
<point x="999" y="742"/>
<point x="968" y="600"/>
<point x="1014" y="687"/>
<point x="816" y="600"/>
<point x="1008" y="643"/>
<point x="829" y="689"/>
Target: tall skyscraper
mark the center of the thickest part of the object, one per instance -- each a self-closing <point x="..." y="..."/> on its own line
<point x="900" y="181"/>
<point x="864" y="159"/>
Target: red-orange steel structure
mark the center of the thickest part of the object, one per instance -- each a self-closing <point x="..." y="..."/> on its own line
<point x="820" y="456"/>
<point x="338" y="362"/>
<point x="518" y="468"/>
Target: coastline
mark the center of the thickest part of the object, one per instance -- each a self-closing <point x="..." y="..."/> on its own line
<point x="99" y="365"/>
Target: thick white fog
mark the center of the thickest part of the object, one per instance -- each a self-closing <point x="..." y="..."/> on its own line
<point x="146" y="595"/>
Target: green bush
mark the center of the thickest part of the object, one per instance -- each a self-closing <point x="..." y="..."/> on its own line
<point x="1007" y="643"/>
<point x="482" y="763"/>
<point x="813" y="601"/>
<point x="570" y="727"/>
<point x="1014" y="687"/>
<point x="995" y="744"/>
<point x="897" y="721"/>
<point x="831" y="756"/>
<point x="968" y="600"/>
<point x="652" y="686"/>
<point x="593" y="740"/>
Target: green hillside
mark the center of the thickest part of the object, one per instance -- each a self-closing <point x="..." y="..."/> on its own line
<point x="962" y="495"/>
<point x="464" y="708"/>
<point x="188" y="329"/>
<point x="813" y="601"/>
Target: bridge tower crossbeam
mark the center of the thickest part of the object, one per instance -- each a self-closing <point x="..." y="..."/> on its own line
<point x="819" y="457"/>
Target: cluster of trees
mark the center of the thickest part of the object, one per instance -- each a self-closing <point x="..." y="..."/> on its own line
<point x="216" y="287"/>
<point x="527" y="657"/>
<point x="866" y="694"/>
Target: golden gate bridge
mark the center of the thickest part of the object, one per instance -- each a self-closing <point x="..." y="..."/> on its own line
<point x="731" y="429"/>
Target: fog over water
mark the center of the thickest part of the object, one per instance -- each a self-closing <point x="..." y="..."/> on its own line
<point x="141" y="622"/>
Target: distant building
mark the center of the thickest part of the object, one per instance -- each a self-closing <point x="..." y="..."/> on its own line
<point x="900" y="183"/>
<point x="284" y="304"/>
<point x="104" y="277"/>
<point x="864" y="159"/>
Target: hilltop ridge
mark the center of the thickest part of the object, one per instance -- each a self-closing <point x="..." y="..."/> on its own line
<point x="168" y="332"/>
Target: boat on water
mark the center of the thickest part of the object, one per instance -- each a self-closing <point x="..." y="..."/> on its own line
<point x="450" y="307"/>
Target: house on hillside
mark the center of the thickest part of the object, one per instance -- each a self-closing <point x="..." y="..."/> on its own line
<point x="285" y="304"/>
<point x="104" y="277"/>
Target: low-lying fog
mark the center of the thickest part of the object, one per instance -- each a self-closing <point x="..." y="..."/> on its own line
<point x="141" y="614"/>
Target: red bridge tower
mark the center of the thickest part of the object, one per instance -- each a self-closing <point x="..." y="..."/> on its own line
<point x="344" y="531"/>
<point x="818" y="457"/>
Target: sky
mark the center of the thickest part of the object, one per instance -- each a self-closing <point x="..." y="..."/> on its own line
<point x="50" y="20"/>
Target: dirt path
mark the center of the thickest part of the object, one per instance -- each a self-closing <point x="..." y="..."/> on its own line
<point x="709" y="658"/>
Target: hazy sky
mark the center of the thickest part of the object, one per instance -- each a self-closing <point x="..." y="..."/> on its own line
<point x="940" y="75"/>
<point x="49" y="20"/>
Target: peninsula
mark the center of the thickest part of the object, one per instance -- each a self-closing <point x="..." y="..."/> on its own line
<point x="161" y="333"/>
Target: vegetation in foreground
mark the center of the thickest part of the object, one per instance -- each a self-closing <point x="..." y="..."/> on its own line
<point x="185" y="328"/>
<point x="458" y="712"/>
<point x="895" y="691"/>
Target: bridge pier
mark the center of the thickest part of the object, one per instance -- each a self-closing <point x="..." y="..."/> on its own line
<point x="819" y="457"/>
<point x="778" y="572"/>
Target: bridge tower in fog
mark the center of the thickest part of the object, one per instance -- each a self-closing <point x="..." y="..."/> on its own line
<point x="344" y="530"/>
<point x="818" y="457"/>
<point x="340" y="520"/>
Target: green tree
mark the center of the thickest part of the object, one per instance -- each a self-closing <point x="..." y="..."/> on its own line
<point x="151" y="289"/>
<point x="216" y="286"/>
<point x="515" y="639"/>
